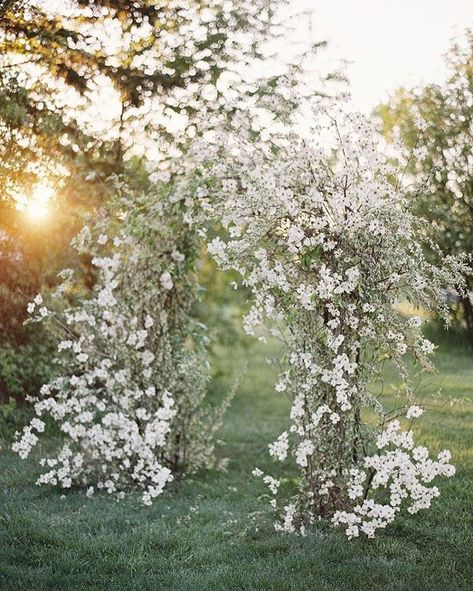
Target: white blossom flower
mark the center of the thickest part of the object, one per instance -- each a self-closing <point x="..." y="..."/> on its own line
<point x="280" y="446"/>
<point x="166" y="280"/>
<point x="427" y="346"/>
<point x="413" y="412"/>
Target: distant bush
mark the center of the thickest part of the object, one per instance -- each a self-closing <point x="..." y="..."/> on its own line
<point x="12" y="419"/>
<point x="453" y="337"/>
<point x="24" y="368"/>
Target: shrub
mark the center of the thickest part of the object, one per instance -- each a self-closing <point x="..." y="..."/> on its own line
<point x="130" y="400"/>
<point x="328" y="245"/>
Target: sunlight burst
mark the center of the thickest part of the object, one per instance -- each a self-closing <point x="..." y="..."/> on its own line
<point x="37" y="206"/>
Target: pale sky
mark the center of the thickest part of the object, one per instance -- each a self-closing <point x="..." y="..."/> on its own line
<point x="390" y="42"/>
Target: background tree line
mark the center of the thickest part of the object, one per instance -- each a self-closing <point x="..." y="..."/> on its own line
<point x="436" y="125"/>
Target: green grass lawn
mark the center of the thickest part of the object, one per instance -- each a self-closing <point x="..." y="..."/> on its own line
<point x="211" y="531"/>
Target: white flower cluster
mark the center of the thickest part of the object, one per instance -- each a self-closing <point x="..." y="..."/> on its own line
<point x="114" y="420"/>
<point x="328" y="246"/>
<point x="130" y="400"/>
<point x="403" y="471"/>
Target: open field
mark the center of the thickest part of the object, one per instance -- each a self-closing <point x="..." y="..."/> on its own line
<point x="209" y="533"/>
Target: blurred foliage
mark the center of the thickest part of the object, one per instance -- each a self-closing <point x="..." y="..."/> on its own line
<point x="455" y="337"/>
<point x="12" y="419"/>
<point x="435" y="124"/>
<point x="24" y="368"/>
<point x="221" y="306"/>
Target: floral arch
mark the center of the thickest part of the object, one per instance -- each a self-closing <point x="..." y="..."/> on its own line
<point x="327" y="244"/>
